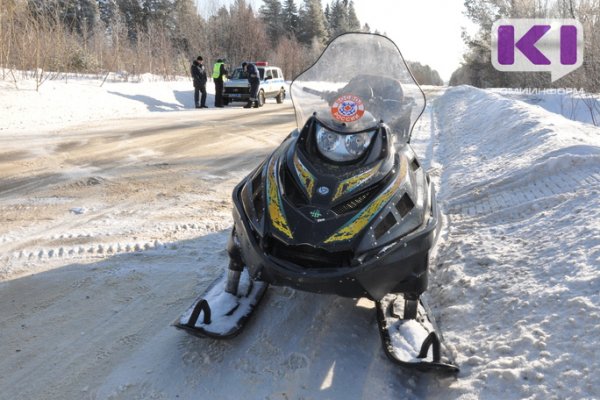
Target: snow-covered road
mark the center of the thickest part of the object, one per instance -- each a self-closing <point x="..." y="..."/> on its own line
<point x="111" y="233"/>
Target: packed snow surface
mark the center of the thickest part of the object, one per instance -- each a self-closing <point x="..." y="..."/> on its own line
<point x="115" y="212"/>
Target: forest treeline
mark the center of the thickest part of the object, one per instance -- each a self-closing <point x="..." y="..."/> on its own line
<point x="477" y="69"/>
<point x="163" y="36"/>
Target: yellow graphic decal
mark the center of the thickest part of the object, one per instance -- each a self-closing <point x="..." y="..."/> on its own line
<point x="354" y="182"/>
<point x="358" y="223"/>
<point x="274" y="202"/>
<point x="307" y="179"/>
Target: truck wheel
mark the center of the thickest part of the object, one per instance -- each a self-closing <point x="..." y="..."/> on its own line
<point x="280" y="96"/>
<point x="261" y="98"/>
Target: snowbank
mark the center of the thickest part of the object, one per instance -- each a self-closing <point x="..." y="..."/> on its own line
<point x="518" y="280"/>
<point x="576" y="105"/>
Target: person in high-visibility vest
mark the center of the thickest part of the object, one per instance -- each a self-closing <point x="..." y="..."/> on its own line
<point x="219" y="76"/>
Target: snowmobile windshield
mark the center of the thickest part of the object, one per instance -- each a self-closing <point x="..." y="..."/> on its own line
<point x="360" y="80"/>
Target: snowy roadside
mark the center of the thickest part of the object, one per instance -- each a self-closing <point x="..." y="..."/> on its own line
<point x="518" y="274"/>
<point x="70" y="101"/>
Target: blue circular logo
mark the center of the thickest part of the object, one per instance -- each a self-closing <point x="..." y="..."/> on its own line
<point x="323" y="190"/>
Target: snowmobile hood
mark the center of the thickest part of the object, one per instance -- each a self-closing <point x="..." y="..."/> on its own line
<point x="359" y="81"/>
<point x="298" y="199"/>
<point x="326" y="202"/>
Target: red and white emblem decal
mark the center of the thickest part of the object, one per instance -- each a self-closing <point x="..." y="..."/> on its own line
<point x="348" y="108"/>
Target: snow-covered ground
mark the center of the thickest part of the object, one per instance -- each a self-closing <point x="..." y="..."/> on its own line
<point x="518" y="277"/>
<point x="75" y="99"/>
<point x="114" y="213"/>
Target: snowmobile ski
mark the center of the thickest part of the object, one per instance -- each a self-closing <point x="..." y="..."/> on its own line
<point x="410" y="336"/>
<point x="221" y="315"/>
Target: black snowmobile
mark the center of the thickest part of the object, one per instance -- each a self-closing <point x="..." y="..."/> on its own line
<point x="342" y="206"/>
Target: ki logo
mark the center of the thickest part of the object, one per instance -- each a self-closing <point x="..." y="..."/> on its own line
<point x="534" y="45"/>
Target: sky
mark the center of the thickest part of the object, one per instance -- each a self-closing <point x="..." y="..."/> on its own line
<point x="427" y="31"/>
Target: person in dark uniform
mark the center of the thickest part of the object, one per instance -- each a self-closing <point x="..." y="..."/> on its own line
<point x="219" y="76"/>
<point x="254" y="80"/>
<point x="199" y="75"/>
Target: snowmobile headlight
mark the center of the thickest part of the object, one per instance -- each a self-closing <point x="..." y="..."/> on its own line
<point x="342" y="148"/>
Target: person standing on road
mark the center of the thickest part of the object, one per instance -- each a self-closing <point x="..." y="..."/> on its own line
<point x="199" y="75"/>
<point x="219" y="76"/>
<point x="254" y="80"/>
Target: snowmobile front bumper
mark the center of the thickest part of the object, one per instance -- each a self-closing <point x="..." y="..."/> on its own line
<point x="398" y="268"/>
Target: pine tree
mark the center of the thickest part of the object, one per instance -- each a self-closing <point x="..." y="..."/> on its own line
<point x="353" y="22"/>
<point x="338" y="23"/>
<point x="78" y="16"/>
<point x="87" y="15"/>
<point x="108" y="11"/>
<point x="158" y="12"/>
<point x="290" y="18"/>
<point x="190" y="29"/>
<point x="342" y="18"/>
<point x="312" y="23"/>
<point x="272" y="15"/>
<point x="132" y="16"/>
